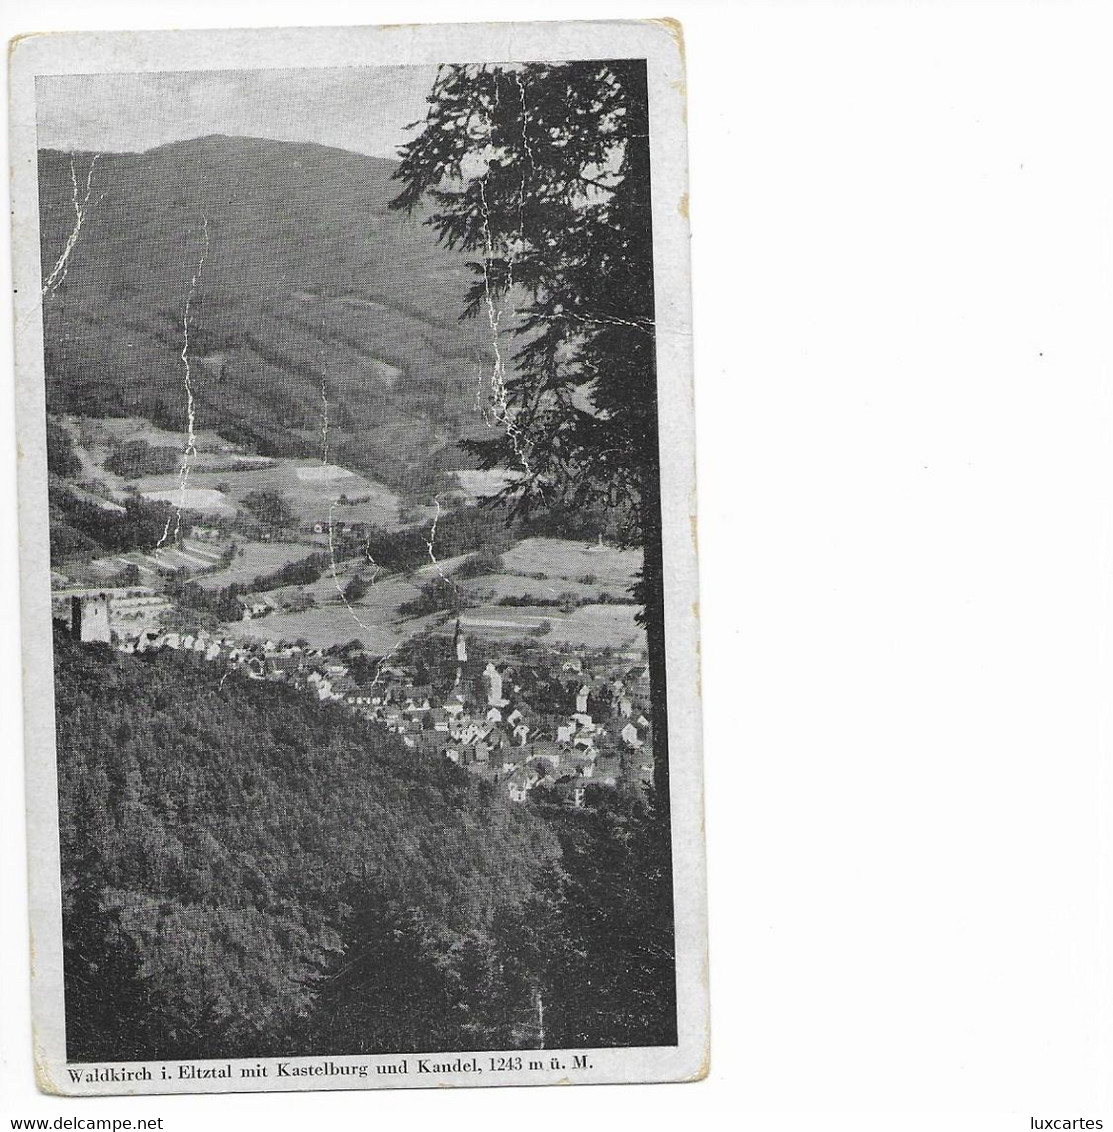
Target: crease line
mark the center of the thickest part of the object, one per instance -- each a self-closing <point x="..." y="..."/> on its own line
<point x="58" y="274"/>
<point x="190" y="449"/>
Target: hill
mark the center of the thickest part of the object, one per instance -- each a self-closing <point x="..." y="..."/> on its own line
<point x="216" y="862"/>
<point x="311" y="298"/>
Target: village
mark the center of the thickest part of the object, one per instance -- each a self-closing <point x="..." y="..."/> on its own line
<point x="541" y="722"/>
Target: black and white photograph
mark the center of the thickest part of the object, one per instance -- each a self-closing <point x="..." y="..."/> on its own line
<point x="352" y="414"/>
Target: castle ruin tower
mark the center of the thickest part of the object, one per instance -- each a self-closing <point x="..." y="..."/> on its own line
<point x="89" y="618"/>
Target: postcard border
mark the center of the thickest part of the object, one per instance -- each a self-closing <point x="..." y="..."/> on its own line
<point x="660" y="43"/>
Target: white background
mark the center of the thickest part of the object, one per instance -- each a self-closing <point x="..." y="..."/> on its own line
<point x="903" y="287"/>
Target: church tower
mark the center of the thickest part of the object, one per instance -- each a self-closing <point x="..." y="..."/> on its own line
<point x="461" y="647"/>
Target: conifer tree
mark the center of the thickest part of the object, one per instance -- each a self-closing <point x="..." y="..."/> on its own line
<point x="542" y="172"/>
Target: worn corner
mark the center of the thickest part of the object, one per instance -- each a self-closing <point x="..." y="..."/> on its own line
<point x="675" y="30"/>
<point x="704" y="1070"/>
<point x="44" y="1081"/>
<point x="17" y="41"/>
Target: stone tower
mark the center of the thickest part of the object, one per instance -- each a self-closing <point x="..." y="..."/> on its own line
<point x="89" y="620"/>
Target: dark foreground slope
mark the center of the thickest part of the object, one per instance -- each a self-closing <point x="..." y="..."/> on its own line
<point x="220" y="842"/>
<point x="247" y="872"/>
<point x="306" y="277"/>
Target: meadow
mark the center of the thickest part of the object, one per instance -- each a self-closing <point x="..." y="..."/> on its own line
<point x="308" y="486"/>
<point x="563" y="558"/>
<point x="253" y="559"/>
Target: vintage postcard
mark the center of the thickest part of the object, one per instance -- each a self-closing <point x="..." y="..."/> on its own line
<point x="357" y="509"/>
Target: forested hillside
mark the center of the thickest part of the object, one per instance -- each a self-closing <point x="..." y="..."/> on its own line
<point x="247" y="872"/>
<point x="301" y="283"/>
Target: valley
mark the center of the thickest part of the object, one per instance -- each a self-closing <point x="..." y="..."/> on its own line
<point x="255" y="417"/>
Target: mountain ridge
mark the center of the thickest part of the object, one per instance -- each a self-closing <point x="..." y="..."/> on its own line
<point x="305" y="292"/>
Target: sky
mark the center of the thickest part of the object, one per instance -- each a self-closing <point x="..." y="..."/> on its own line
<point x="364" y="109"/>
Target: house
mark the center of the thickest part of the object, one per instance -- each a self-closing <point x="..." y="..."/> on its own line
<point x="640" y="688"/>
<point x="286" y="662"/>
<point x="571" y="791"/>
<point x="320" y="684"/>
<point x="256" y="605"/>
<point x="519" y="783"/>
<point x="147" y="639"/>
<point x="545" y="752"/>
<point x="630" y="736"/>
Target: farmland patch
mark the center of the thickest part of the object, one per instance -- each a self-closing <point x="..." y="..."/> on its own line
<point x="311" y="489"/>
<point x="563" y="558"/>
<point x="253" y="559"/>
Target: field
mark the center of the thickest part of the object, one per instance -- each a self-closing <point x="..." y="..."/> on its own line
<point x="311" y="489"/>
<point x="327" y="625"/>
<point x="221" y="475"/>
<point x="561" y="558"/>
<point x="375" y="619"/>
<point x="101" y="432"/>
<point x="207" y="500"/>
<point x="516" y="585"/>
<point x="95" y="440"/>
<point x="590" y="626"/>
<point x="334" y="621"/>
<point x="191" y="556"/>
<point x="253" y="559"/>
<point x="374" y="622"/>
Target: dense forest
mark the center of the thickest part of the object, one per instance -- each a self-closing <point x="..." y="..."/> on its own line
<point x="293" y="292"/>
<point x="247" y="871"/>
